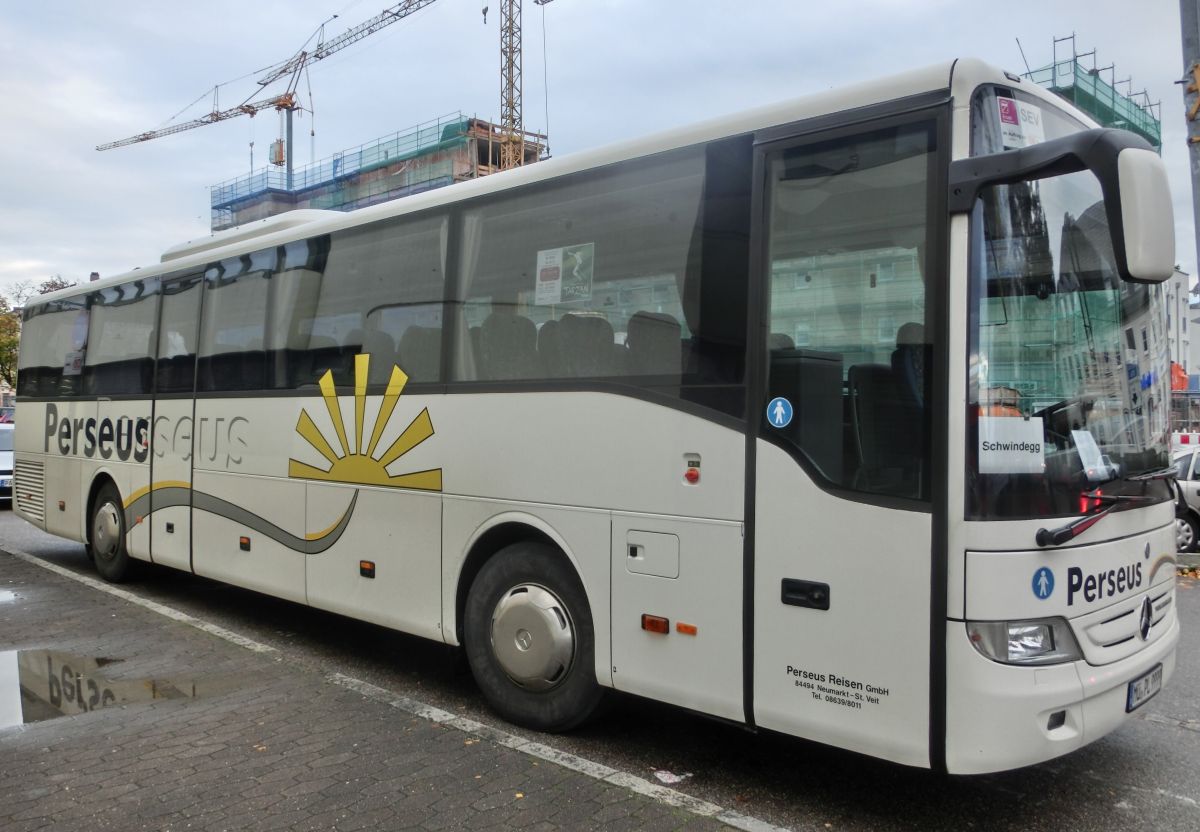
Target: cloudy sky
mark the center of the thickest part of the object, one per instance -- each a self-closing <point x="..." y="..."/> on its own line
<point x="76" y="74"/>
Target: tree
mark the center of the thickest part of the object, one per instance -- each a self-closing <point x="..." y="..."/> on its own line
<point x="24" y="290"/>
<point x="10" y="335"/>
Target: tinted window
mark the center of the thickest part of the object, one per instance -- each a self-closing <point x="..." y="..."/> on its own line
<point x="633" y="274"/>
<point x="376" y="290"/>
<point x="53" y="344"/>
<point x="232" y="351"/>
<point x="179" y="334"/>
<point x="848" y="345"/>
<point x="122" y="339"/>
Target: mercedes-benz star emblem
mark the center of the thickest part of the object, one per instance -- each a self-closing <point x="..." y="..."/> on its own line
<point x="1146" y="620"/>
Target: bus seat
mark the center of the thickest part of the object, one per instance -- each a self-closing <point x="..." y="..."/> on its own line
<point x="780" y="341"/>
<point x="886" y="428"/>
<point x="549" y="348"/>
<point x="420" y="353"/>
<point x="508" y="346"/>
<point x="652" y="343"/>
<point x="352" y="343"/>
<point x="382" y="349"/>
<point x="588" y="346"/>
<point x="909" y="360"/>
<point x="323" y="354"/>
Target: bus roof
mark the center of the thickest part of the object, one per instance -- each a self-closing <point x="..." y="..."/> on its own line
<point x="963" y="75"/>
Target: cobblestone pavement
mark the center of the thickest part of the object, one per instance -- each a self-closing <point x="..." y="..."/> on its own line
<point x="273" y="746"/>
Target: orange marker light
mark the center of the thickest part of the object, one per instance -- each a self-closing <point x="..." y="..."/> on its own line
<point x="656" y="624"/>
<point x="366" y="568"/>
<point x="686" y="629"/>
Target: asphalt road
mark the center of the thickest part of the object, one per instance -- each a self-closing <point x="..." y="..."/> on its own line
<point x="1144" y="776"/>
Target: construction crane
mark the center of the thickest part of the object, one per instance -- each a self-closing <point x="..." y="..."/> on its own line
<point x="287" y="101"/>
<point x="512" y="128"/>
<point x="512" y="147"/>
<point x="293" y="66"/>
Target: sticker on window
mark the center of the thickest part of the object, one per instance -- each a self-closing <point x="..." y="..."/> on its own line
<point x="73" y="363"/>
<point x="1096" y="465"/>
<point x="1011" y="445"/>
<point x="1020" y="123"/>
<point x="564" y="274"/>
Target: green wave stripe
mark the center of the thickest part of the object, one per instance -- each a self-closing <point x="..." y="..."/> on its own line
<point x="199" y="501"/>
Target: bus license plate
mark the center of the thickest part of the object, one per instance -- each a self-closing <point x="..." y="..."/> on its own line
<point x="1143" y="688"/>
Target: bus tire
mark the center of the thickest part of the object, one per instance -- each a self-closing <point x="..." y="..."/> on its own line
<point x="529" y="639"/>
<point x="106" y="535"/>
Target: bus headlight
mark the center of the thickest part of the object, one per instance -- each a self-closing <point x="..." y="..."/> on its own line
<point x="1042" y="641"/>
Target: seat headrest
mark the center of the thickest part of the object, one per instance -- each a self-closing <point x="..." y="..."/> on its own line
<point x="911" y="334"/>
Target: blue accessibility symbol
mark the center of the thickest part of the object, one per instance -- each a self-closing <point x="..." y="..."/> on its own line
<point x="1043" y="583"/>
<point x="779" y="412"/>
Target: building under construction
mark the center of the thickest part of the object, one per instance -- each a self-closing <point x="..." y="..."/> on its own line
<point x="441" y="152"/>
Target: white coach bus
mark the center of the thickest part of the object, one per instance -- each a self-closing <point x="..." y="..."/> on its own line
<point x="844" y="418"/>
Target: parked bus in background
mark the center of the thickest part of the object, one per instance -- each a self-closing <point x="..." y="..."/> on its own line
<point x="844" y="418"/>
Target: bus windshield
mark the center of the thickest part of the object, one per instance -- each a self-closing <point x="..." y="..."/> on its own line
<point x="1069" y="367"/>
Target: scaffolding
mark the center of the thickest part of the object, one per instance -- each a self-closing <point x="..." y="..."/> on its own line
<point x="1086" y="88"/>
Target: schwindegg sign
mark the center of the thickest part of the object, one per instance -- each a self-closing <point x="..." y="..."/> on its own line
<point x="1011" y="445"/>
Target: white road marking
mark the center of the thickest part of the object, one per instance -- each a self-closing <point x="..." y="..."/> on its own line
<point x="598" y="771"/>
<point x="153" y="606"/>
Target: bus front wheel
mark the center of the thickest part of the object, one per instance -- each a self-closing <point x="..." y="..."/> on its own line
<point x="530" y="641"/>
<point x="106" y="535"/>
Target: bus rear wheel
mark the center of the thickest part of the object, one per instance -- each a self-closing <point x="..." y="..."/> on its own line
<point x="106" y="535"/>
<point x="530" y="641"/>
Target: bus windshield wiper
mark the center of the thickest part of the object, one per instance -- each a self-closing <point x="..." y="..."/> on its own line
<point x="1156" y="474"/>
<point x="1115" y="502"/>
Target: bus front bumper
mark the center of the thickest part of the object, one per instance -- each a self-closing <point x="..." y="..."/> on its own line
<point x="1001" y="717"/>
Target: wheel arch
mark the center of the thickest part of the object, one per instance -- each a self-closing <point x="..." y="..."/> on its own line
<point x="489" y="538"/>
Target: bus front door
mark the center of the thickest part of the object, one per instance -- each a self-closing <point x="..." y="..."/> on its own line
<point x="842" y="528"/>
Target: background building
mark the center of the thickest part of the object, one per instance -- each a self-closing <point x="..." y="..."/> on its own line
<point x="437" y="153"/>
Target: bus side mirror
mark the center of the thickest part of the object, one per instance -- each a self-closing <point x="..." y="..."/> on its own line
<point x="1137" y="200"/>
<point x="1146" y="215"/>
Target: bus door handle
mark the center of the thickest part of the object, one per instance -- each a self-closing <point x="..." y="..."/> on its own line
<point x="809" y="594"/>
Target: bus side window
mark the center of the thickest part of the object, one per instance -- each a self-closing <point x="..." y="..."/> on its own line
<point x="234" y="321"/>
<point x="847" y="290"/>
<point x="54" y="342"/>
<point x="636" y="278"/>
<point x="178" y="335"/>
<point x="121" y="339"/>
<point x="362" y="291"/>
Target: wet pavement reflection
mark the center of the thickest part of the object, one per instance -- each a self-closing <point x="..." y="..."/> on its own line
<point x="36" y="685"/>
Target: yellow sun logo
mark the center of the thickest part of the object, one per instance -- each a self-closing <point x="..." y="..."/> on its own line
<point x="363" y="466"/>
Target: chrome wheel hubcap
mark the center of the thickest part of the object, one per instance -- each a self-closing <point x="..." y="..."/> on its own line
<point x="533" y="638"/>
<point x="106" y="531"/>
